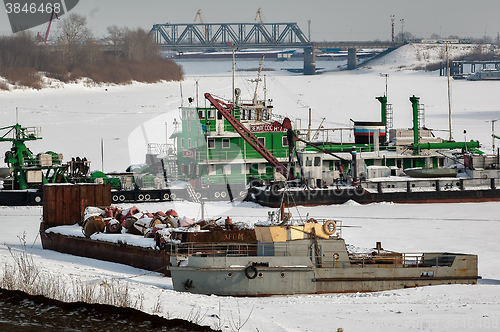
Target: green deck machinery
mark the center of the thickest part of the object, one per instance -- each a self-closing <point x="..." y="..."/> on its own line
<point x="30" y="171"/>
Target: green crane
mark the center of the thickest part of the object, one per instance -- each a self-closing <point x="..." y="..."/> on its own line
<point x="30" y="171"/>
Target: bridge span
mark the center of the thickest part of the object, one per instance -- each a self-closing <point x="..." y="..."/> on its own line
<point x="221" y="36"/>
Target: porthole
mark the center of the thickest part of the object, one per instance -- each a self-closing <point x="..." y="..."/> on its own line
<point x="260" y="274"/>
<point x="230" y="275"/>
<point x="282" y="274"/>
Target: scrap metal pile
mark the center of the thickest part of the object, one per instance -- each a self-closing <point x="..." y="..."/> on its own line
<point x="165" y="227"/>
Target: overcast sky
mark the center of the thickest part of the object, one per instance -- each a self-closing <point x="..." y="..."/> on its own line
<point x="331" y="20"/>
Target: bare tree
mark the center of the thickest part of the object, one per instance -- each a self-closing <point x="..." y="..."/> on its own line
<point x="140" y="45"/>
<point x="74" y="33"/>
<point x="116" y="35"/>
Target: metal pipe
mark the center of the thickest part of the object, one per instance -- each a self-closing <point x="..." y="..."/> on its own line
<point x="414" y="102"/>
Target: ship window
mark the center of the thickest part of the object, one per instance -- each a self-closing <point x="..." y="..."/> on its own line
<point x="201" y="114"/>
<point x="182" y="142"/>
<point x="219" y="116"/>
<point x="225" y="143"/>
<point x="189" y="143"/>
<point x="308" y="161"/>
<point x="284" y="141"/>
<point x="226" y="169"/>
<point x="212" y="170"/>
<point x="262" y="168"/>
<point x="441" y="162"/>
<point x="399" y="163"/>
<point x="211" y="143"/>
<point x="211" y="114"/>
<point x="258" y="114"/>
<point x="262" y="140"/>
<point x="317" y="161"/>
<point x="243" y="114"/>
<point x="265" y="115"/>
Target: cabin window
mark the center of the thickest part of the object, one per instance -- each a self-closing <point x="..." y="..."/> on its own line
<point x="226" y="169"/>
<point x="399" y="163"/>
<point x="225" y="143"/>
<point x="265" y="115"/>
<point x="317" y="161"/>
<point x="308" y="161"/>
<point x="262" y="140"/>
<point x="262" y="168"/>
<point x="284" y="141"/>
<point x="211" y="143"/>
<point x="243" y="114"/>
<point x="258" y="114"/>
<point x="189" y="143"/>
<point x="182" y="142"/>
<point x="212" y="170"/>
<point x="211" y="114"/>
<point x="201" y="114"/>
<point x="245" y="168"/>
<point x="219" y="116"/>
<point x="441" y="162"/>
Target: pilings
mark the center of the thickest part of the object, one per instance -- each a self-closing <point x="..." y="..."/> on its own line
<point x="352" y="60"/>
<point x="309" y="61"/>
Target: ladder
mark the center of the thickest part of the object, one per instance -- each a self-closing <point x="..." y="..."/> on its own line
<point x="192" y="193"/>
<point x="389" y="116"/>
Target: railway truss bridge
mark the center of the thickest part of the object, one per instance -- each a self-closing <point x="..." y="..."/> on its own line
<point x="222" y="36"/>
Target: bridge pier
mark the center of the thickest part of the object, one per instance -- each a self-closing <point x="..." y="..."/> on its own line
<point x="309" y="61"/>
<point x="352" y="60"/>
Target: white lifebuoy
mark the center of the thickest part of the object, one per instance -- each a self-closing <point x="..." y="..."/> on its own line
<point x="121" y="198"/>
<point x="140" y="197"/>
<point x="243" y="193"/>
<point x="330" y="230"/>
<point x="166" y="197"/>
<point x="173" y="196"/>
<point x="223" y="194"/>
<point x="115" y="198"/>
<point x="198" y="195"/>
<point x="217" y="194"/>
<point x="147" y="197"/>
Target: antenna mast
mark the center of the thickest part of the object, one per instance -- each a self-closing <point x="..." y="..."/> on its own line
<point x="449" y="92"/>
<point x="392" y="24"/>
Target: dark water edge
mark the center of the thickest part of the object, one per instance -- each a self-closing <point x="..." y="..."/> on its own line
<point x="21" y="312"/>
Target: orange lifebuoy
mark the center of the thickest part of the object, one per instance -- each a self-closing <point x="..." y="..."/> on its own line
<point x="336" y="256"/>
<point x="330" y="230"/>
<point x="312" y="220"/>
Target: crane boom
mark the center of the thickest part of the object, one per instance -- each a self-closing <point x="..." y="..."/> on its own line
<point x="248" y="136"/>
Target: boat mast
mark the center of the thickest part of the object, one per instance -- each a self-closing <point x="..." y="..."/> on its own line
<point x="234" y="64"/>
<point x="449" y="92"/>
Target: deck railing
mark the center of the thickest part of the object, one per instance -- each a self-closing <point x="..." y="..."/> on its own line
<point x="307" y="249"/>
